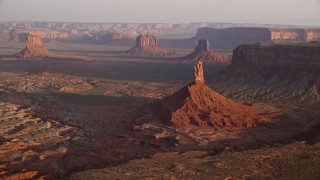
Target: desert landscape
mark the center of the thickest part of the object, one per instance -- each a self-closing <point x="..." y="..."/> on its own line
<point x="202" y="100"/>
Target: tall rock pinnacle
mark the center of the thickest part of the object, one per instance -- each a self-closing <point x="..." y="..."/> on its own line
<point x="198" y="73"/>
<point x="196" y="105"/>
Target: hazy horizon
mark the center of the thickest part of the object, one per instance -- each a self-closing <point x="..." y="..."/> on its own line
<point x="288" y="12"/>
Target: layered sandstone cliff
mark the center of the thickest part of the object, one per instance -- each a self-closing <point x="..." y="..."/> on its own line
<point x="233" y="37"/>
<point x="108" y="36"/>
<point x="299" y="56"/>
<point x="203" y="52"/>
<point x="146" y="45"/>
<point x="19" y="36"/>
<point x="273" y="73"/>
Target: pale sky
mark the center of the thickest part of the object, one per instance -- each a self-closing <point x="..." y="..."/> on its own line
<point x="294" y="12"/>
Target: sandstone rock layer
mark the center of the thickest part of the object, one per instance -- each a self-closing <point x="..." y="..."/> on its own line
<point x="233" y="37"/>
<point x="303" y="56"/>
<point x="19" y="36"/>
<point x="273" y="73"/>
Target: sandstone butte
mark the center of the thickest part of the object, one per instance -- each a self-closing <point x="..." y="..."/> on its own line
<point x="148" y="45"/>
<point x="35" y="50"/>
<point x="196" y="105"/>
<point x="202" y="52"/>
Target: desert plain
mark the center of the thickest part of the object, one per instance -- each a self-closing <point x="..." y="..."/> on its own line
<point x="117" y="115"/>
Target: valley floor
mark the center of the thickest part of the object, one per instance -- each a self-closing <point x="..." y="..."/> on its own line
<point x="75" y="119"/>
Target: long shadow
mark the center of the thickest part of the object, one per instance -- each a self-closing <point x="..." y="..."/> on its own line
<point x="57" y="106"/>
<point x="162" y="58"/>
<point x="139" y="71"/>
<point x="53" y="103"/>
<point x="87" y="51"/>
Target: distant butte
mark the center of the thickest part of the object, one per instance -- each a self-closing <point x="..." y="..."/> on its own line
<point x="196" y="105"/>
<point x="35" y="50"/>
<point x="203" y="52"/>
<point x="146" y="45"/>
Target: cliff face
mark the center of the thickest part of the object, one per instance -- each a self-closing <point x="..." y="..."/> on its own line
<point x="19" y="36"/>
<point x="107" y="37"/>
<point x="288" y="35"/>
<point x="12" y="36"/>
<point x="273" y="73"/>
<point x="312" y="34"/>
<point x="278" y="56"/>
<point x="233" y="37"/>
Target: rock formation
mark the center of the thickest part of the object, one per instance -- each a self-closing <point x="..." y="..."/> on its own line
<point x="233" y="37"/>
<point x="198" y="73"/>
<point x="196" y="105"/>
<point x="12" y="36"/>
<point x="146" y="45"/>
<point x="303" y="56"/>
<point x="34" y="48"/>
<point x="19" y="36"/>
<point x="230" y="38"/>
<point x="202" y="52"/>
<point x="107" y="36"/>
<point x="277" y="73"/>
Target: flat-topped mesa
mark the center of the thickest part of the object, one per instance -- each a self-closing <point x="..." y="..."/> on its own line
<point x="202" y="52"/>
<point x="198" y="73"/>
<point x="230" y="38"/>
<point x="147" y="44"/>
<point x="304" y="56"/>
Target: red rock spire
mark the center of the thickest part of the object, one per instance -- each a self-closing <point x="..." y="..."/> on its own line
<point x="198" y="73"/>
